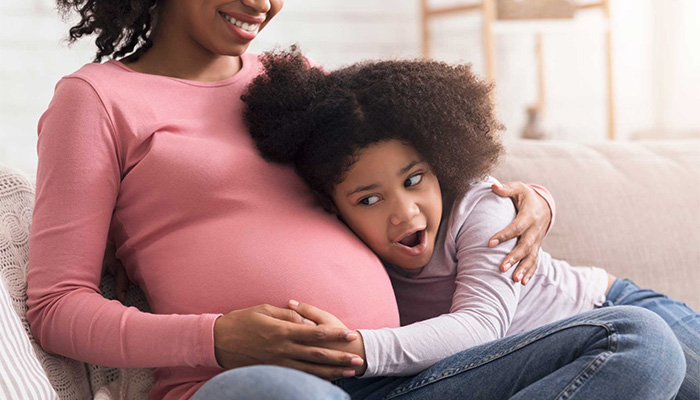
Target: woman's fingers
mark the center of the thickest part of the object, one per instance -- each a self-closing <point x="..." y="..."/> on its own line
<point x="525" y="269"/>
<point x="514" y="230"/>
<point x="320" y="355"/>
<point x="122" y="284"/>
<point x="322" y="371"/>
<point x="504" y="190"/>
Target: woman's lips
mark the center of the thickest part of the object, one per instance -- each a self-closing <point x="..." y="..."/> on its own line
<point x="416" y="250"/>
<point x="238" y="31"/>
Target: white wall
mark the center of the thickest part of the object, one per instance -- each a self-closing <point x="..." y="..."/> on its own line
<point x="657" y="62"/>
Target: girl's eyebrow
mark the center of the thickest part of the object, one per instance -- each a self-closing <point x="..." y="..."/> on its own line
<point x="363" y="188"/>
<point x="408" y="167"/>
<point x="376" y="185"/>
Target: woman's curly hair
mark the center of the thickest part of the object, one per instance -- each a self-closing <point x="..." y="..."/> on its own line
<point x="319" y="121"/>
<point x="122" y="26"/>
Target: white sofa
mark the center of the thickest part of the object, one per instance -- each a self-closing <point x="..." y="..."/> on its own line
<point x="631" y="207"/>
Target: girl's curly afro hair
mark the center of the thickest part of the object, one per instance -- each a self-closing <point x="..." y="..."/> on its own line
<point x="318" y="121"/>
<point x="122" y="26"/>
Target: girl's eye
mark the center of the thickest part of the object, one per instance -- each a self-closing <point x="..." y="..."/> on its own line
<point x="369" y="200"/>
<point x="413" y="180"/>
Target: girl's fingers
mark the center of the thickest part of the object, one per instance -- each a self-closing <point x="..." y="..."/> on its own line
<point x="322" y="371"/>
<point x="312" y="313"/>
<point x="323" y="356"/>
<point x="284" y="314"/>
<point x="319" y="334"/>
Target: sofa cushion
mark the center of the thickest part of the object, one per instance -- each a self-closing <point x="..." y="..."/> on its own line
<point x="21" y="375"/>
<point x="68" y="377"/>
<point x="630" y="207"/>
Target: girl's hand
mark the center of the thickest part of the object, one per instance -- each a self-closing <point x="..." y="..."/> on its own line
<point x="275" y="336"/>
<point x="316" y="316"/>
<point x="530" y="227"/>
<point x="111" y="264"/>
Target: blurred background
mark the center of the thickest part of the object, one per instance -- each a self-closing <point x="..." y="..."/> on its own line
<point x="564" y="70"/>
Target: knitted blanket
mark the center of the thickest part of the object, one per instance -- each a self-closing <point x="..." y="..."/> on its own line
<point x="70" y="378"/>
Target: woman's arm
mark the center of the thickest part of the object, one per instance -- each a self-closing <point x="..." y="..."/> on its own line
<point x="483" y="305"/>
<point x="78" y="183"/>
<point x="78" y="180"/>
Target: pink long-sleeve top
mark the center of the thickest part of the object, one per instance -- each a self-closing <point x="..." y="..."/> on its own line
<point x="201" y="222"/>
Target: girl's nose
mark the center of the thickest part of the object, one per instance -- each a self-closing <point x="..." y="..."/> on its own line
<point x="261" y="6"/>
<point x="404" y="210"/>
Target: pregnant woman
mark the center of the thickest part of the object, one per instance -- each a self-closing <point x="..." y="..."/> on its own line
<point x="150" y="150"/>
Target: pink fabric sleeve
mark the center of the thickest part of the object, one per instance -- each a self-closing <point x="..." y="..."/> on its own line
<point x="542" y="191"/>
<point x="78" y="181"/>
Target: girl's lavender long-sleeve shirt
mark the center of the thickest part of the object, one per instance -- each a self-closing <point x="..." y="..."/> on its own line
<point x="166" y="168"/>
<point x="461" y="298"/>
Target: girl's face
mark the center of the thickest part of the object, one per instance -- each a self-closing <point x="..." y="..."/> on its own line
<point x="391" y="199"/>
<point x="221" y="27"/>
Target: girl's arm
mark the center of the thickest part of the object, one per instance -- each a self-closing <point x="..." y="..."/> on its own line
<point x="483" y="305"/>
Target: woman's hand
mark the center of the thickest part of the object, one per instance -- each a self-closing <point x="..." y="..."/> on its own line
<point x="316" y="316"/>
<point x="530" y="227"/>
<point x="111" y="264"/>
<point x="276" y="336"/>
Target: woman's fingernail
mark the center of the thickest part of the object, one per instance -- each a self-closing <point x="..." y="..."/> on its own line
<point x="493" y="242"/>
<point x="519" y="276"/>
<point x="351" y="336"/>
<point x="525" y="281"/>
<point x="309" y="322"/>
<point x="348" y="373"/>
<point x="506" y="266"/>
<point x="356" y="361"/>
<point x="294" y="303"/>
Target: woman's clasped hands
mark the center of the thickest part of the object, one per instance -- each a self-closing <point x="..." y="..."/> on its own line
<point x="271" y="335"/>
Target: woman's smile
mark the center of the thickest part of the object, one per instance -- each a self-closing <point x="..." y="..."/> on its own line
<point x="245" y="27"/>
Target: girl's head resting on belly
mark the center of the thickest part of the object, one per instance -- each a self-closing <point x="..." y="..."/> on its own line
<point x="381" y="143"/>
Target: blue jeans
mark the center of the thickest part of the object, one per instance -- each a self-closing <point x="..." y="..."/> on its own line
<point x="611" y="353"/>
<point x="268" y="382"/>
<point x="684" y="322"/>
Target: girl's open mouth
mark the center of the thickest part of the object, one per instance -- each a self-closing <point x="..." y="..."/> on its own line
<point x="414" y="244"/>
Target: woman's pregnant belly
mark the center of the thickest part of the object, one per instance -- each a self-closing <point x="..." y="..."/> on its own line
<point x="222" y="264"/>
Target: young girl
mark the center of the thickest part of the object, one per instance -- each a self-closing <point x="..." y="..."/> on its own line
<point x="400" y="151"/>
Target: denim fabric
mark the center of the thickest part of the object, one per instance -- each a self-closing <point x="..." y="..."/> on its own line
<point x="606" y="354"/>
<point x="266" y="382"/>
<point x="613" y="353"/>
<point x="684" y="322"/>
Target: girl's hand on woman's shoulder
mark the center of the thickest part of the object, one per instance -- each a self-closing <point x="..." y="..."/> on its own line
<point x="271" y="335"/>
<point x="529" y="226"/>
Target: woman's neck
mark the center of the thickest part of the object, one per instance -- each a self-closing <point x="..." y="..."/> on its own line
<point x="176" y="55"/>
<point x="155" y="63"/>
